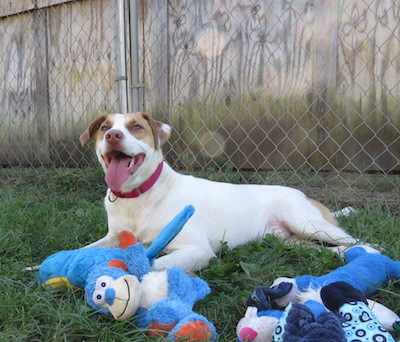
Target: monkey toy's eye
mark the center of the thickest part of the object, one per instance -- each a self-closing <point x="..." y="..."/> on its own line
<point x="102" y="284"/>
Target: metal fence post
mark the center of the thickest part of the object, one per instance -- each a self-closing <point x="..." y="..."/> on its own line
<point x="121" y="77"/>
<point x="134" y="51"/>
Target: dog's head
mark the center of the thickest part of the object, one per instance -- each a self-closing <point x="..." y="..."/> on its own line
<point x="128" y="147"/>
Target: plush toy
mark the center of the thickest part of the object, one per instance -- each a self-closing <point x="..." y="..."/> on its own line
<point x="363" y="270"/>
<point x="350" y="319"/>
<point x="70" y="268"/>
<point x="262" y="324"/>
<point x="160" y="301"/>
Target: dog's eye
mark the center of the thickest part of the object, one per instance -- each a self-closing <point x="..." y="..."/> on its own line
<point x="134" y="127"/>
<point x="104" y="128"/>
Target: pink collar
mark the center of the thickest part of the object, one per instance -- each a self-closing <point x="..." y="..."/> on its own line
<point x="136" y="192"/>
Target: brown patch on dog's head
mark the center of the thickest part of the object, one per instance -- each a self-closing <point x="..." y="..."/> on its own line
<point x="139" y="127"/>
<point x="161" y="131"/>
<point x="94" y="128"/>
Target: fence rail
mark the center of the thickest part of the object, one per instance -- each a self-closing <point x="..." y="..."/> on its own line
<point x="249" y="85"/>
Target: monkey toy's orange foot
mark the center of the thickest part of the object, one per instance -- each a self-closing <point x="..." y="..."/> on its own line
<point x="158" y="329"/>
<point x="194" y="331"/>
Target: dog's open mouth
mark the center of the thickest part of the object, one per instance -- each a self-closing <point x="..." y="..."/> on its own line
<point x="119" y="166"/>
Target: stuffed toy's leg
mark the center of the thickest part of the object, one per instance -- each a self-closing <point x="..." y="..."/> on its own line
<point x="360" y="322"/>
<point x="193" y="328"/>
<point x="177" y="320"/>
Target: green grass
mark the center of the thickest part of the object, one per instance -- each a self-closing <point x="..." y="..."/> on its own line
<point x="43" y="212"/>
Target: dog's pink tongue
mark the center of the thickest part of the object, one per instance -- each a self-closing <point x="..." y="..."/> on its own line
<point x="117" y="173"/>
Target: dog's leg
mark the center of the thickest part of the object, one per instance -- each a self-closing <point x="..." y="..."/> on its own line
<point x="369" y="248"/>
<point x="190" y="258"/>
<point x="297" y="240"/>
<point x="312" y="220"/>
<point x="323" y="231"/>
<point x="319" y="231"/>
<point x="106" y="242"/>
<point x="385" y="316"/>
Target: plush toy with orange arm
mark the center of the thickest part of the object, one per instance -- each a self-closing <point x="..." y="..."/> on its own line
<point x="70" y="268"/>
<point x="160" y="301"/>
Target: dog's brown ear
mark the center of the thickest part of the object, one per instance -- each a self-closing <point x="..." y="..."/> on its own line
<point x="161" y="131"/>
<point x="91" y="130"/>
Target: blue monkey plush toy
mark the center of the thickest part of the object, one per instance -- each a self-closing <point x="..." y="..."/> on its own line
<point x="161" y="302"/>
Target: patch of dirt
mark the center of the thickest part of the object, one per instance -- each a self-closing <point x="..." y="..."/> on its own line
<point x="356" y="197"/>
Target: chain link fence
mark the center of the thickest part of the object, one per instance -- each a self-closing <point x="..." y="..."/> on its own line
<point x="303" y="93"/>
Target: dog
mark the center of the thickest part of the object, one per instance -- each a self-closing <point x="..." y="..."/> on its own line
<point x="145" y="193"/>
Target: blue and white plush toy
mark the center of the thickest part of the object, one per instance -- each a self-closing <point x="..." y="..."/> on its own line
<point x="349" y="318"/>
<point x="310" y="320"/>
<point x="363" y="270"/>
<point x="161" y="302"/>
<point x="298" y="321"/>
<point x="70" y="268"/>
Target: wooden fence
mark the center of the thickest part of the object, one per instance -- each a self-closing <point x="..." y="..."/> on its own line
<point x="280" y="84"/>
<point x="57" y="71"/>
<point x="265" y="85"/>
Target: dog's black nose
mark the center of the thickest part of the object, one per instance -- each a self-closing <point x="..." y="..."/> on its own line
<point x="114" y="136"/>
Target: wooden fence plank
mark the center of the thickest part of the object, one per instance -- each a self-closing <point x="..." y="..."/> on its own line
<point x="82" y="70"/>
<point x="40" y="97"/>
<point x="23" y="91"/>
<point x="9" y="8"/>
<point x="368" y="84"/>
<point x="155" y="51"/>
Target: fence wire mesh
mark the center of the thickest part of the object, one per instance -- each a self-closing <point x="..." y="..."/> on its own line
<point x="300" y="93"/>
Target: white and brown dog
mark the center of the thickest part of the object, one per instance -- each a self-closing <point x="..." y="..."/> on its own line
<point x="145" y="194"/>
